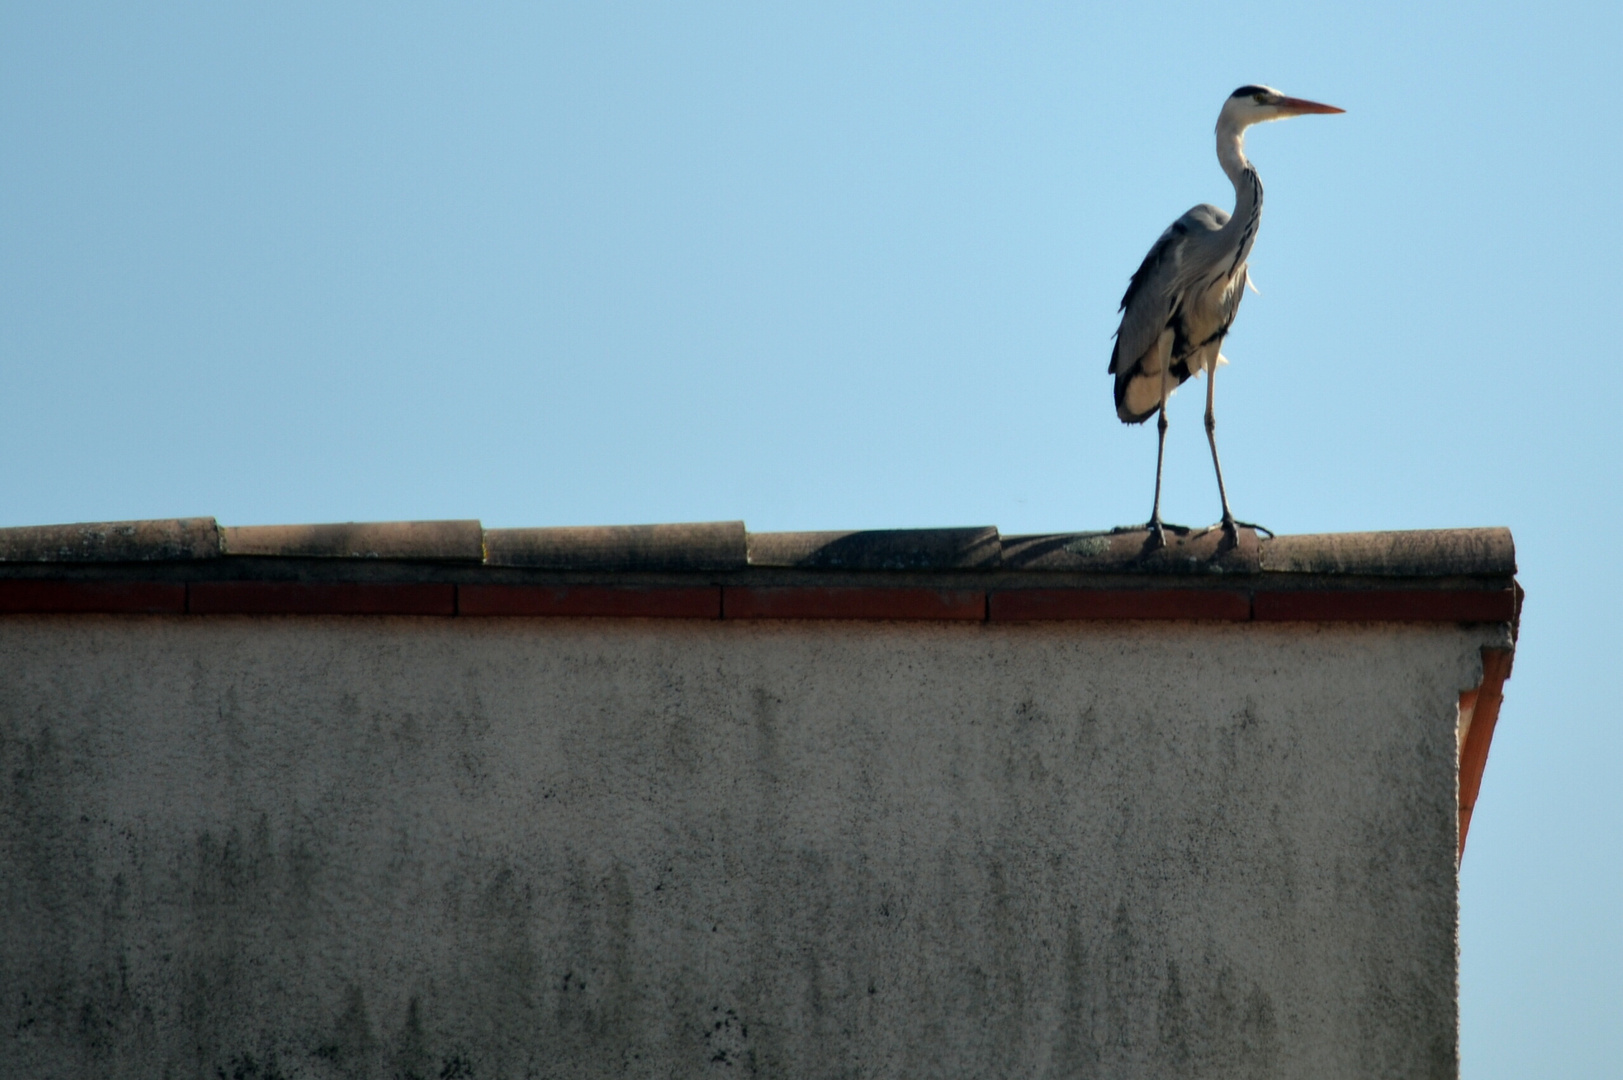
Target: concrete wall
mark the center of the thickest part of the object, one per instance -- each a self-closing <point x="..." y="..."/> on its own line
<point x="335" y="847"/>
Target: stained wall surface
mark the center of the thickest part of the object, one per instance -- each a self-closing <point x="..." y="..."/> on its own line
<point x="378" y="847"/>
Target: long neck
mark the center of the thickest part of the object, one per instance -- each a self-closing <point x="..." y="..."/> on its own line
<point x="1247" y="188"/>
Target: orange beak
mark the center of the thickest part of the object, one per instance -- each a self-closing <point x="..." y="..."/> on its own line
<point x="1300" y="107"/>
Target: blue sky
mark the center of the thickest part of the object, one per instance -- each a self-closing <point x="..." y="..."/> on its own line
<point x="857" y="266"/>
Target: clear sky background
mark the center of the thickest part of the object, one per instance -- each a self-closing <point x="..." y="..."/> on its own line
<point x="857" y="266"/>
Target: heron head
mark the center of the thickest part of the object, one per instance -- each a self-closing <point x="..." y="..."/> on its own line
<point x="1258" y="104"/>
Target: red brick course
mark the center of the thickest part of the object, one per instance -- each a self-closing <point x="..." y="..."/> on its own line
<point x="757" y="602"/>
<point x="1010" y="605"/>
<point x="89" y="597"/>
<point x="590" y="600"/>
<point x="1386" y="605"/>
<point x="313" y="598"/>
<point x="879" y="602"/>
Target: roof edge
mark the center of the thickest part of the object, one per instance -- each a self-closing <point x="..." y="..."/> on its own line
<point x="158" y="540"/>
<point x="454" y="541"/>
<point x="712" y="545"/>
<point x="728" y="546"/>
<point x="1406" y="553"/>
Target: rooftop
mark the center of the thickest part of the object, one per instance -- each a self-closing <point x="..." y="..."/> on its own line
<point x="722" y="570"/>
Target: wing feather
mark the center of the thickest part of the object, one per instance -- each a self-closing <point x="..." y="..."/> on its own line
<point x="1151" y="306"/>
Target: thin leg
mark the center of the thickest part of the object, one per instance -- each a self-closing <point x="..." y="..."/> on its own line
<point x="1211" y="437"/>
<point x="1158" y="536"/>
<point x="1230" y="525"/>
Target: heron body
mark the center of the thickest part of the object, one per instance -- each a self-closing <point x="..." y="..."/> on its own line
<point x="1198" y="264"/>
<point x="1183" y="298"/>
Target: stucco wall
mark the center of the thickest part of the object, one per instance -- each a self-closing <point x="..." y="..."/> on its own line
<point x="323" y="847"/>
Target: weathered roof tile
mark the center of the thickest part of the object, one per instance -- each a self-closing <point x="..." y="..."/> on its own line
<point x="457" y="541"/>
<point x="1127" y="551"/>
<point x="718" y="545"/>
<point x="161" y="540"/>
<point x="1412" y="553"/>
<point x="879" y="549"/>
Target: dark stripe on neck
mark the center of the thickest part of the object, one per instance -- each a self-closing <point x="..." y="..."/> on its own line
<point x="1248" y="229"/>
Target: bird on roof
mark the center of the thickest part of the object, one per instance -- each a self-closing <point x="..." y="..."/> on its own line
<point x="1181" y="302"/>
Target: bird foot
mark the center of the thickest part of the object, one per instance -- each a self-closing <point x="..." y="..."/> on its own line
<point x="1158" y="534"/>
<point x="1231" y="529"/>
<point x="1252" y="525"/>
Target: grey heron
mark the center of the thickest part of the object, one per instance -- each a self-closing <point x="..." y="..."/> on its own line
<point x="1181" y="302"/>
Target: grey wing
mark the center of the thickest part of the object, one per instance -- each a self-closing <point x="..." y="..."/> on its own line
<point x="1150" y="307"/>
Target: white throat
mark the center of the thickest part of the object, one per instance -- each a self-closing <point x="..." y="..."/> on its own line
<point x="1231" y="149"/>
